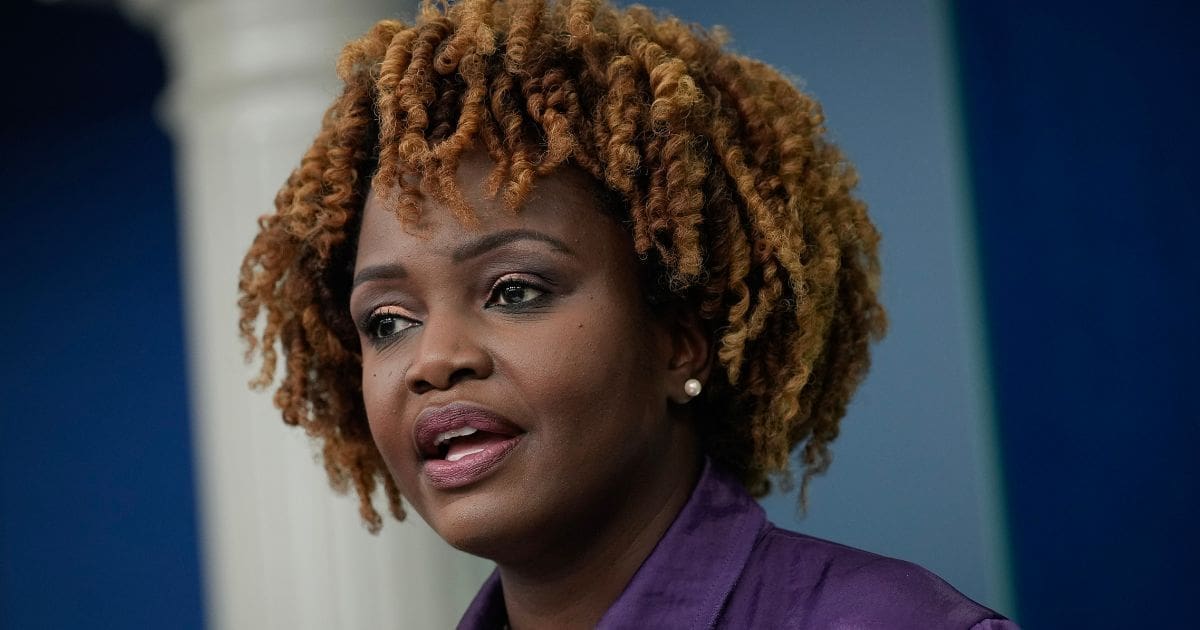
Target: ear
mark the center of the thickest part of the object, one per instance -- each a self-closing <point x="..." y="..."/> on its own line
<point x="690" y="353"/>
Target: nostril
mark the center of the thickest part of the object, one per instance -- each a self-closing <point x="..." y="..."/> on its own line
<point x="419" y="385"/>
<point x="461" y="374"/>
<point x="444" y="358"/>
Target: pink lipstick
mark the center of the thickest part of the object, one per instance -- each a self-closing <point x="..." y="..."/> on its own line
<point x="461" y="443"/>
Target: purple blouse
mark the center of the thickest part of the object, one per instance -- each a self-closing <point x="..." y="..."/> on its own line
<point x="721" y="564"/>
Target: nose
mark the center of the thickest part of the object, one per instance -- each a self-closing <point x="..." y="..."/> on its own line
<point x="447" y="353"/>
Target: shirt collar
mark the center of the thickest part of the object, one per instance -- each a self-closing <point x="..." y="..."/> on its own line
<point x="687" y="577"/>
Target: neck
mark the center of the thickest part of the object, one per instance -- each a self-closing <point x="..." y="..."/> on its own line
<point x="574" y="585"/>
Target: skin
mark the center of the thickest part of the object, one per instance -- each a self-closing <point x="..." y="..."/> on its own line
<point x="556" y="338"/>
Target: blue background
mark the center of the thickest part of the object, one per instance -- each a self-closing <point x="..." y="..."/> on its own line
<point x="97" y="517"/>
<point x="1082" y="132"/>
<point x="1081" y="122"/>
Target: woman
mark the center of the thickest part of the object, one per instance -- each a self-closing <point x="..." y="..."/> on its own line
<point x="574" y="282"/>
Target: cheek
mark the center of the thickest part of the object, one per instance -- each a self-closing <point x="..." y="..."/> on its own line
<point x="589" y="369"/>
<point x="383" y="406"/>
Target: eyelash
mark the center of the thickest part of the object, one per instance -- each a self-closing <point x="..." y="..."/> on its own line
<point x="383" y="315"/>
<point x="380" y="317"/>
<point x="515" y="281"/>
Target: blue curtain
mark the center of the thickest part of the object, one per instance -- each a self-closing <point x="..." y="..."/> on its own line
<point x="1082" y="129"/>
<point x="97" y="517"/>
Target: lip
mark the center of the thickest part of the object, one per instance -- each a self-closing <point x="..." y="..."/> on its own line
<point x="444" y="474"/>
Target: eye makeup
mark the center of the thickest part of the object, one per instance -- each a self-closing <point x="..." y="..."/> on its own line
<point x="516" y="292"/>
<point x="386" y="323"/>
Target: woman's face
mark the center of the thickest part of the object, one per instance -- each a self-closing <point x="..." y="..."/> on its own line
<point x="515" y="382"/>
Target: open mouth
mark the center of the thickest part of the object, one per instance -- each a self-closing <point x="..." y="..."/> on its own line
<point x="460" y="444"/>
<point x="457" y="444"/>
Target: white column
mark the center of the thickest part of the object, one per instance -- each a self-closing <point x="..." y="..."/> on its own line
<point x="249" y="80"/>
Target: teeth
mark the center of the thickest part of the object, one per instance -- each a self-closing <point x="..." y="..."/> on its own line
<point x="453" y="433"/>
<point x="457" y="456"/>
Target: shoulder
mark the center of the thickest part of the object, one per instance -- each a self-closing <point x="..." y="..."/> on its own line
<point x="806" y="582"/>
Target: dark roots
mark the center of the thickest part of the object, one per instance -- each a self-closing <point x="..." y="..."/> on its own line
<point x="720" y="166"/>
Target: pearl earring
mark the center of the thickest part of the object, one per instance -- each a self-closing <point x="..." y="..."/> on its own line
<point x="692" y="387"/>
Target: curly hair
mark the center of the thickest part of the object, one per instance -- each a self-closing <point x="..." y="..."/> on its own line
<point x="735" y="201"/>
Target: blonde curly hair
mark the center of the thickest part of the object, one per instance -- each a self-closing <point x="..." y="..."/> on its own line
<point x="734" y="199"/>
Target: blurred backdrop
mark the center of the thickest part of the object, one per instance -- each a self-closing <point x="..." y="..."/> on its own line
<point x="1027" y="430"/>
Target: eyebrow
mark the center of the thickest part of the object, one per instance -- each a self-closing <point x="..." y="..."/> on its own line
<point x="466" y="251"/>
<point x="494" y="240"/>
<point x="379" y="272"/>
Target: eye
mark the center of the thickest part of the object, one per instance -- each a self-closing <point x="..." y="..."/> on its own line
<point x="513" y="292"/>
<point x="384" y="325"/>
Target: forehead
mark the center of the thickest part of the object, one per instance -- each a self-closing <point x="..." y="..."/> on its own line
<point x="566" y="204"/>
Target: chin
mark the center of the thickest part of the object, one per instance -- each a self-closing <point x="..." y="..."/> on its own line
<point x="491" y="527"/>
<point x="480" y="542"/>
